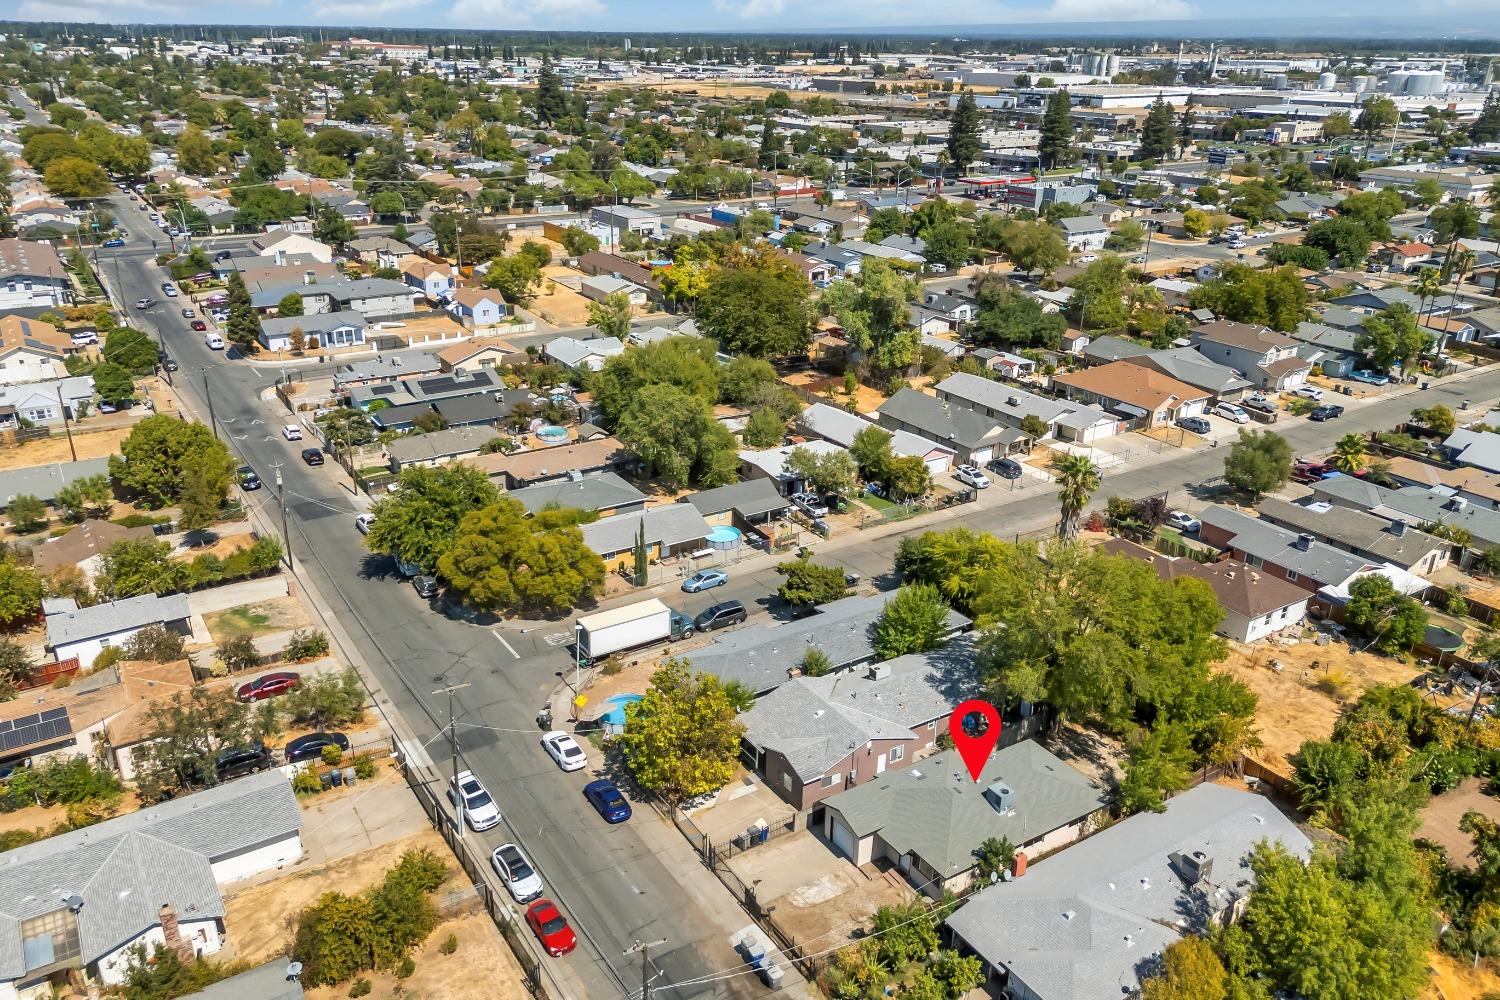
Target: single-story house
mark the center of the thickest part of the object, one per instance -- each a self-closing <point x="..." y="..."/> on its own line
<point x="1416" y="505"/>
<point x="281" y="242"/>
<point x="84" y="900"/>
<point x="1174" y="292"/>
<point x="1011" y="405"/>
<point x="478" y="308"/>
<point x="1187" y="365"/>
<point x="974" y="437"/>
<point x="754" y="501"/>
<point x="481" y="352"/>
<point x="44" y="481"/>
<point x="439" y="447"/>
<point x="770" y="463"/>
<point x="1087" y="922"/>
<point x="448" y="385"/>
<point x="813" y="737"/>
<point x="671" y="529"/>
<point x="85" y="632"/>
<point x="1103" y="350"/>
<point x="929" y="818"/>
<point x="1363" y="534"/>
<point x="601" y="286"/>
<point x="319" y="331"/>
<point x="1296" y="557"/>
<point x="1134" y="392"/>
<point x="840" y="427"/>
<point x="433" y="280"/>
<point x="1480" y="449"/>
<point x="47" y="403"/>
<point x="545" y="465"/>
<point x="380" y="251"/>
<point x="84" y="545"/>
<point x="605" y="494"/>
<point x="31" y="350"/>
<point x="1255" y="604"/>
<point x="385" y="368"/>
<point x="573" y="353"/>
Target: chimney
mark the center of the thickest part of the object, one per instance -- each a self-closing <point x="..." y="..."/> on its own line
<point x="1001" y="797"/>
<point x="172" y="933"/>
<point x="880" y="671"/>
<point x="1304" y="541"/>
<point x="1398" y="528"/>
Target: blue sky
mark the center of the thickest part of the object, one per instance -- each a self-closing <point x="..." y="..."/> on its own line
<point x="728" y="15"/>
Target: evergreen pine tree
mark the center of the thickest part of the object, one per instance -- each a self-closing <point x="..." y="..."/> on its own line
<point x="1057" y="128"/>
<point x="1159" y="133"/>
<point x="1486" y="127"/>
<point x="964" y="146"/>
<point x="551" y="101"/>
<point x="243" y="328"/>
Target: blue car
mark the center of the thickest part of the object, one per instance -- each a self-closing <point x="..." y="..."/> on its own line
<point x="606" y="798"/>
<point x="114" y="242"/>
<point x="705" y="579"/>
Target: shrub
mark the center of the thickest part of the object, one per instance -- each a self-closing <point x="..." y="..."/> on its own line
<point x="27" y="514"/>
<point x="332" y="755"/>
<point x="364" y="767"/>
<point x="307" y="782"/>
<point x="1333" y="683"/>
<point x="406" y="967"/>
<point x="421" y="869"/>
<point x="305" y="644"/>
<point x="108" y="657"/>
<point x="158" y="644"/>
<point x="141" y="520"/>
<point x="238" y="653"/>
<point x="612" y="665"/>
<point x="449" y="945"/>
<point x="327" y="699"/>
<point x="360" y="988"/>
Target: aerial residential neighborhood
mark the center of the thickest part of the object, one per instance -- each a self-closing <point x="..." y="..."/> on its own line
<point x="711" y="503"/>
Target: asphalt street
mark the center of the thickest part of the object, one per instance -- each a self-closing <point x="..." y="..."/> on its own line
<point x="618" y="884"/>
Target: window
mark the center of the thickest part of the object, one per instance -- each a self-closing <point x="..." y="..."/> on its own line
<point x="1291" y="575"/>
<point x="897" y="753"/>
<point x="829" y="780"/>
<point x="50" y="939"/>
<point x="1254" y="562"/>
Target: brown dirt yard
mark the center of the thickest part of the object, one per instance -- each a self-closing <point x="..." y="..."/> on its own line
<point x="260" y="618"/>
<point x="1293" y="711"/>
<point x="1442" y="814"/>
<point x="90" y="444"/>
<point x="558" y="304"/>
<point x="1455" y="980"/>
<point x="481" y="969"/>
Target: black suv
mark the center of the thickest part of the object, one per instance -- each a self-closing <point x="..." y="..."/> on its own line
<point x="720" y="615"/>
<point x="240" y="761"/>
<point x="248" y="479"/>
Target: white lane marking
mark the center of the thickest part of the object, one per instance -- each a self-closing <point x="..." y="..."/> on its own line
<point x="508" y="649"/>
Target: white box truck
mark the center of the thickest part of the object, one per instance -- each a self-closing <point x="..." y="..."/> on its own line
<point x="630" y="627"/>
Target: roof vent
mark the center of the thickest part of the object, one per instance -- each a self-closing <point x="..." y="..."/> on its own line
<point x="1194" y="866"/>
<point x="1304" y="541"/>
<point x="1013" y="400"/>
<point x="879" y="671"/>
<point x="1001" y="796"/>
<point x="1457" y="503"/>
<point x="1069" y="914"/>
<point x="1398" y="528"/>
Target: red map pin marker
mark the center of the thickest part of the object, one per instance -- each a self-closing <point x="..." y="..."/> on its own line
<point x="973" y="745"/>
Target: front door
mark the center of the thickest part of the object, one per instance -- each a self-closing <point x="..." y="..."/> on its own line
<point x="880" y="764"/>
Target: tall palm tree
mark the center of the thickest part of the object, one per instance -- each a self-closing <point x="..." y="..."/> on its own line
<point x="1462" y="261"/>
<point x="1079" y="478"/>
<point x="1349" y="454"/>
<point x="1428" y="285"/>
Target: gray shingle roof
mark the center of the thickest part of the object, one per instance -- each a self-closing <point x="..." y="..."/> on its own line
<point x="839" y="427"/>
<point x="937" y="420"/>
<point x="1083" y="923"/>
<point x="265" y="982"/>
<point x="933" y="809"/>
<point x="339" y="291"/>
<point x="314" y="325"/>
<point x="1187" y="365"/>
<point x="1014" y="403"/>
<point x="587" y="493"/>
<point x="751" y="498"/>
<point x="1480" y="449"/>
<point x="1104" y="349"/>
<point x="1363" y="534"/>
<point x="114" y="616"/>
<point x="670" y="524"/>
<point x="126" y="868"/>
<point x="1263" y="540"/>
<point x="449" y="443"/>
<point x="760" y="656"/>
<point x="388" y="367"/>
<point x="44" y="481"/>
<point x="814" y="722"/>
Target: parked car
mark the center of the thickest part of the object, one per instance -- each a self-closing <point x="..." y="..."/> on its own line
<point x="83" y="338"/>
<point x="1088" y="258"/>
<point x="312" y="456"/>
<point x="248" y="479"/>
<point x="269" y="685"/>
<point x="169" y="291"/>
<point x="605" y="797"/>
<point x="720" y="616"/>
<point x="105" y="406"/>
<point x="705" y="579"/>
<point x="1311" y="392"/>
<point x="480" y="811"/>
<point x="222" y="255"/>
<point x="1259" y="401"/>
<point x="970" y="476"/>
<point x="550" y="928"/>
<point x="1311" y="472"/>
<point x="1184" y="522"/>
<point x="167" y="363"/>
<point x="1230" y="411"/>
<point x="426" y="586"/>
<point x="362" y="523"/>
<point x="199" y="326"/>
<point x="516" y="873"/>
<point x="1197" y="425"/>
<point x="1368" y="377"/>
<point x="236" y="762"/>
<point x="564" y="749"/>
<point x="291" y="432"/>
<point x="1005" y="468"/>
<point x="1328" y="411"/>
<point x="810" y="504"/>
<point x="310" y="747"/>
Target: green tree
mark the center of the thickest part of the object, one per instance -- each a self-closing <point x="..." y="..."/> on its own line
<point x="90" y="496"/>
<point x="907" y="477"/>
<point x="187" y="732"/>
<point x="1128" y="235"/>
<point x="1392" y="621"/>
<point x="1056" y="128"/>
<point x="417" y="524"/>
<point x="964" y="145"/>
<point x="905" y="933"/>
<point x="808" y="583"/>
<point x="1099" y="299"/>
<point x="551" y="100"/>
<point x="1438" y="419"/>
<point x="1160" y="764"/>
<point x="195" y="152"/>
<point x="1035" y="246"/>
<point x="682" y="739"/>
<point x="242" y="328"/>
<point x="949" y="244"/>
<point x="27" y="514"/>
<point x="1376" y="116"/>
<point x="1078" y="478"/>
<point x="290" y="305"/>
<point x="676" y="435"/>
<point x="871" y="451"/>
<point x="1273" y="297"/>
<point x="332" y="228"/>
<point x="1349" y="453"/>
<point x="1346" y="240"/>
<point x="873" y="310"/>
<point x="827" y="473"/>
<point x="756" y="303"/>
<point x="76" y="177"/>
<point x="579" y="241"/>
<point x="500" y="558"/>
<point x="516" y="278"/>
<point x="138" y="566"/>
<point x="154" y="456"/>
<point x="21" y="593"/>
<point x="612" y="316"/>
<point x="993" y="858"/>
<point x="1158" y="132"/>
<point x="1190" y="970"/>
<point x="113" y="383"/>
<point x="915" y="620"/>
<point x="1259" y="462"/>
<point x="687" y="363"/>
<point x="742" y="380"/>
<point x="327" y="700"/>
<point x="131" y="349"/>
<point x="957" y="562"/>
<point x="1393" y="337"/>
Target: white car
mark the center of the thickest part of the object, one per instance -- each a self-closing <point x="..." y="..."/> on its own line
<point x="1229" y="411"/>
<point x="1088" y="258"/>
<point x="810" y="504"/>
<point x="514" y="869"/>
<point x="564" y="749"/>
<point x="480" y="811"/>
<point x="1184" y="522"/>
<point x="291" y="432"/>
<point x="1308" y="392"/>
<point x="363" y="522"/>
<point x="970" y="476"/>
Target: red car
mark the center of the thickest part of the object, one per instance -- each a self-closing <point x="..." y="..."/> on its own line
<point x="269" y="686"/>
<point x="199" y="326"/>
<point x="550" y="928"/>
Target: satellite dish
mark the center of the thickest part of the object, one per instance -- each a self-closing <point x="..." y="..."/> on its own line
<point x="293" y="972"/>
<point x="74" y="903"/>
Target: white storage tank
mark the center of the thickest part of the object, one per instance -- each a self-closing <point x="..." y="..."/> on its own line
<point x="1328" y="81"/>
<point x="1365" y="83"/>
<point x="1425" y="83"/>
<point x="1279" y="81"/>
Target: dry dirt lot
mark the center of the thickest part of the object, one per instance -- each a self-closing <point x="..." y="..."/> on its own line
<point x="559" y="305"/>
<point x="1292" y="710"/>
<point x="261" y="618"/>
<point x="1454" y="980"/>
<point x="1443" y="812"/>
<point x="481" y="969"/>
<point x="90" y="444"/>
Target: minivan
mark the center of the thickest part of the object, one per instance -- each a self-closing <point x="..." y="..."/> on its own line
<point x="720" y="616"/>
<point x="1229" y="411"/>
<point x="214" y="341"/>
<point x="237" y="762"/>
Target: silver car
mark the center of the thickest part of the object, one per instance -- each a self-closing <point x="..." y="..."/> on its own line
<point x="521" y="880"/>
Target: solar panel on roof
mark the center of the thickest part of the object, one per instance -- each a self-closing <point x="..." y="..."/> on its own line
<point x="42" y="727"/>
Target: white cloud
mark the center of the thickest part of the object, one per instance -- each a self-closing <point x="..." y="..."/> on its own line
<point x="514" y="13"/>
<point x="1117" y="10"/>
<point x="358" y="11"/>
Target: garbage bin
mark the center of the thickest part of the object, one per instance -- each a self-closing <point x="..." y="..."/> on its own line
<point x="771" y="973"/>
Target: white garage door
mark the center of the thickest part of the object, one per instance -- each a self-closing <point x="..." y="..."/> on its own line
<point x="981" y="456"/>
<point x="939" y="465"/>
<point x="843" y="837"/>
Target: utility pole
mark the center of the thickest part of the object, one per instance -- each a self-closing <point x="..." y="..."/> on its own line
<point x="67" y="427"/>
<point x="213" y="424"/>
<point x="458" y="798"/>
<point x="281" y="500"/>
<point x="644" y="947"/>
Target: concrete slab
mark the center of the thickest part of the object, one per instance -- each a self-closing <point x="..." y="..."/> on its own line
<point x="737" y="808"/>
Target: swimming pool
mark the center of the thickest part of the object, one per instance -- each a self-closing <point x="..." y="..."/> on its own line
<point x="724" y="537"/>
<point x="552" y="433"/>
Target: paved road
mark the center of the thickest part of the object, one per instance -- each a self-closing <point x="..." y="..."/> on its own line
<point x="619" y="884"/>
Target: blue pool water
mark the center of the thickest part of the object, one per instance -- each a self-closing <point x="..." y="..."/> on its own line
<point x="724" y="537"/>
<point x="552" y="433"/>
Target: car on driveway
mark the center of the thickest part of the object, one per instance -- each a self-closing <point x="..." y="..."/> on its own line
<point x="312" y="456"/>
<point x="720" y="616"/>
<point x="1328" y="411"/>
<point x="810" y="504"/>
<point x="1088" y="258"/>
<point x="1184" y="522"/>
<point x="1229" y="411"/>
<point x="248" y="478"/>
<point x="269" y="685"/>
<point x="1368" y="377"/>
<point x="605" y="797"/>
<point x="1311" y="472"/>
<point x="291" y="432"/>
<point x="236" y="762"/>
<point x="971" y="476"/>
<point x="310" y="747"/>
<point x="705" y="579"/>
<point x="564" y="749"/>
<point x="1005" y="468"/>
<point x="480" y="811"/>
<point x="1311" y="392"/>
<point x="515" y="871"/>
<point x="551" y="928"/>
<point x="1259" y="401"/>
<point x="1197" y="425"/>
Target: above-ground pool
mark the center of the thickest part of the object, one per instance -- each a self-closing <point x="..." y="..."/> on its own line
<point x="613" y="718"/>
<point x="724" y="537"/>
<point x="552" y="433"/>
